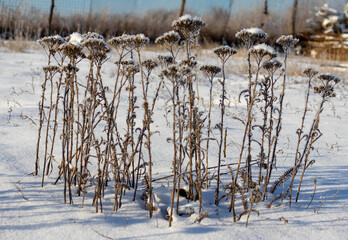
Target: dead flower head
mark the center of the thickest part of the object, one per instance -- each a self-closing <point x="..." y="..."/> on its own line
<point x="225" y="52"/>
<point x="210" y="70"/>
<point x="137" y="41"/>
<point x="287" y="41"/>
<point x="191" y="63"/>
<point x="93" y="35"/>
<point x="328" y="80"/>
<point x="128" y="67"/>
<point x="185" y="70"/>
<point x="51" y="69"/>
<point x="165" y="60"/>
<point x="149" y="64"/>
<point x="132" y="69"/>
<point x="188" y="27"/>
<point x="96" y="46"/>
<point x="51" y="43"/>
<point x="169" y="38"/>
<point x="310" y="72"/>
<point x="119" y="43"/>
<point x="260" y="51"/>
<point x="328" y="77"/>
<point x="69" y="68"/>
<point x="325" y="91"/>
<point x="251" y="36"/>
<point x="172" y="72"/>
<point x="272" y="65"/>
<point x="72" y="51"/>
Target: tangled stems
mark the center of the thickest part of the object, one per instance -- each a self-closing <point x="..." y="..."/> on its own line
<point x="210" y="72"/>
<point x="224" y="53"/>
<point x="50" y="45"/>
<point x="173" y="75"/>
<point x="250" y="37"/>
<point x="310" y="74"/>
<point x="93" y="146"/>
<point x="326" y="91"/>
<point x="267" y="91"/>
<point x="141" y="42"/>
<point x="286" y="42"/>
<point x="259" y="52"/>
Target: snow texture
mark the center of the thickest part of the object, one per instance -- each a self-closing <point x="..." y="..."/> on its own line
<point x="263" y="49"/>
<point x="76" y="39"/>
<point x="252" y="31"/>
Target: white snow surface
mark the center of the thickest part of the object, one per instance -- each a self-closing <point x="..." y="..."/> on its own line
<point x="29" y="211"/>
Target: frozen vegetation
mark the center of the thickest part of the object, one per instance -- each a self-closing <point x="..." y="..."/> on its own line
<point x="105" y="139"/>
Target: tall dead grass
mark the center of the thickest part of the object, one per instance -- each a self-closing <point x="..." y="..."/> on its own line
<point x="18" y="23"/>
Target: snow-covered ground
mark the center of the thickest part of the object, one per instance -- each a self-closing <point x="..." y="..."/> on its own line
<point x="28" y="211"/>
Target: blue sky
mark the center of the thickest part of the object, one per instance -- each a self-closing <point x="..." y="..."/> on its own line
<point x="139" y="6"/>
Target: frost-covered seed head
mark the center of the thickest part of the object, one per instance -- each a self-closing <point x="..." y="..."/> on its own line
<point x="210" y="70"/>
<point x="310" y="72"/>
<point x="185" y="70"/>
<point x="97" y="47"/>
<point x="166" y="60"/>
<point x="287" y="41"/>
<point x="224" y="52"/>
<point x="128" y="67"/>
<point x="172" y="72"/>
<point x="51" y="40"/>
<point x="251" y="36"/>
<point x="119" y="42"/>
<point x="51" y="43"/>
<point x="169" y="38"/>
<point x="70" y="68"/>
<point x="92" y="35"/>
<point x="272" y="65"/>
<point x="327" y="89"/>
<point x="129" y="41"/>
<point x="188" y="26"/>
<point x="127" y="62"/>
<point x="137" y="41"/>
<point x="260" y="51"/>
<point x="96" y="44"/>
<point x="149" y="64"/>
<point x="191" y="63"/>
<point x="328" y="77"/>
<point x="132" y="69"/>
<point x="51" y="68"/>
<point x="72" y="51"/>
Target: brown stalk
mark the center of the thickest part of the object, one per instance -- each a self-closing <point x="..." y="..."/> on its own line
<point x="300" y="137"/>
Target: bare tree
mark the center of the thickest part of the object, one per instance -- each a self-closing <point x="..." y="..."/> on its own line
<point x="293" y="17"/>
<point x="265" y="11"/>
<point x="50" y="18"/>
<point x="182" y="8"/>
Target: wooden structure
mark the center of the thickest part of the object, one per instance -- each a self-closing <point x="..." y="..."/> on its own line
<point x="328" y="46"/>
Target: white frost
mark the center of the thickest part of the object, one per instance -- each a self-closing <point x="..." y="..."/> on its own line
<point x="76" y="39"/>
<point x="264" y="48"/>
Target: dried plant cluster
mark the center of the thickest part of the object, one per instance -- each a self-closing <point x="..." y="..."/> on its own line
<point x="98" y="149"/>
